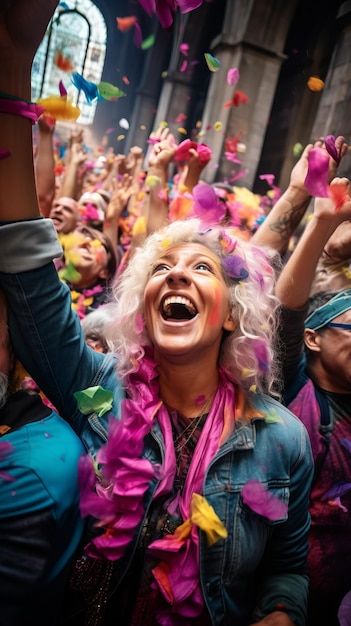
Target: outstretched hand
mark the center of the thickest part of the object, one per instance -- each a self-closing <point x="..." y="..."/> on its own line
<point x="163" y="151"/>
<point x="325" y="208"/>
<point x="299" y="171"/>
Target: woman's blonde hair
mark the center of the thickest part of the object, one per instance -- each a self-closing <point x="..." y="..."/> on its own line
<point x="248" y="353"/>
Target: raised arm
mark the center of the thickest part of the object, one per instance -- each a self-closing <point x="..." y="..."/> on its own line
<point x="156" y="199"/>
<point x="71" y="186"/>
<point x="22" y="27"/>
<point x="295" y="281"/>
<point x="45" y="164"/>
<point x="287" y="213"/>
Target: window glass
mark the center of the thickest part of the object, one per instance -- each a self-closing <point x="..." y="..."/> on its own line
<point x="75" y="41"/>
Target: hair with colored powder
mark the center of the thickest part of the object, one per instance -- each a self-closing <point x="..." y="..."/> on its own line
<point x="248" y="354"/>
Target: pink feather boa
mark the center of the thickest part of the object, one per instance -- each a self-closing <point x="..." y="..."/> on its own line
<point x="117" y="497"/>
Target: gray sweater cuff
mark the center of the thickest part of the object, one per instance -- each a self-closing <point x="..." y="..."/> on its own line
<point x="27" y="245"/>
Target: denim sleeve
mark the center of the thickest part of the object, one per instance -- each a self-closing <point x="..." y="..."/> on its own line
<point x="284" y="572"/>
<point x="47" y="338"/>
<point x="27" y="245"/>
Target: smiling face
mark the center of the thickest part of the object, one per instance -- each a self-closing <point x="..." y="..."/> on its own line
<point x="90" y="257"/>
<point x="65" y="215"/>
<point x="186" y="305"/>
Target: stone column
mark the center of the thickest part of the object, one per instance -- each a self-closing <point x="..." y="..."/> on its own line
<point x="333" y="116"/>
<point x="252" y="40"/>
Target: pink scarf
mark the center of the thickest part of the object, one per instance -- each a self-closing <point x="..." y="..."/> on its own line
<point x="117" y="500"/>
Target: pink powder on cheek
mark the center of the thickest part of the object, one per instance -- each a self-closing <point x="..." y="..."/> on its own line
<point x="215" y="313"/>
<point x="99" y="255"/>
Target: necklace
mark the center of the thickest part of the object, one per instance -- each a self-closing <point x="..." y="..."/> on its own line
<point x="183" y="438"/>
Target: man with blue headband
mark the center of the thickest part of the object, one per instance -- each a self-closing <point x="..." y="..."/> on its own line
<point x="316" y="333"/>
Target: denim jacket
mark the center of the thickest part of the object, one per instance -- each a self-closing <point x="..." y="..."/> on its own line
<point x="47" y="338"/>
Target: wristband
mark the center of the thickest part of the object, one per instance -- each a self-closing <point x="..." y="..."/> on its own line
<point x="21" y="108"/>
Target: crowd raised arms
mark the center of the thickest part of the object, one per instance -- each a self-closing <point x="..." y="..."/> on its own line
<point x="174" y="394"/>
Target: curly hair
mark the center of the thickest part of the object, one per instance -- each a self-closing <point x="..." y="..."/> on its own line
<point x="249" y="353"/>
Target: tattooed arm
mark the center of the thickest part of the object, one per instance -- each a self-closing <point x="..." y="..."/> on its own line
<point x="287" y="213"/>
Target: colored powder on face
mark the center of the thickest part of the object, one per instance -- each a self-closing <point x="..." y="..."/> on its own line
<point x="215" y="313"/>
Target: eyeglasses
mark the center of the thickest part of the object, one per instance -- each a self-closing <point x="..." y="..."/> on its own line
<point x="335" y="325"/>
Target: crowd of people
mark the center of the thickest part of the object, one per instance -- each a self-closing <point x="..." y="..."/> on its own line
<point x="174" y="410"/>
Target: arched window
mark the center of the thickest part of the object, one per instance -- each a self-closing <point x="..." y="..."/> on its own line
<point x="75" y="41"/>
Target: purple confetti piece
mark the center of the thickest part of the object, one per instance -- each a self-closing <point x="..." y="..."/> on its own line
<point x="262" y="501"/>
<point x="5" y="449"/>
<point x="329" y="143"/>
<point x="6" y="477"/>
<point x="234" y="266"/>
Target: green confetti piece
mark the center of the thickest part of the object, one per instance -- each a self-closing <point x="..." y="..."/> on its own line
<point x="94" y="400"/>
<point x="69" y="273"/>
<point x="110" y="92"/>
<point x="272" y="417"/>
<point x="213" y="64"/>
<point x="148" y="42"/>
<point x="297" y="149"/>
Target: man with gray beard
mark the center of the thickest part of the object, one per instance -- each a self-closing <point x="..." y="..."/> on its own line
<point x="40" y="523"/>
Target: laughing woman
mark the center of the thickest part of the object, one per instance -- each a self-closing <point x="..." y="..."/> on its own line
<point x="197" y="480"/>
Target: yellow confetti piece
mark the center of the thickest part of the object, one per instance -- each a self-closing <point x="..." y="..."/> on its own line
<point x="218" y="125"/>
<point x="253" y="388"/>
<point x="205" y="517"/>
<point x="246" y="372"/>
<point x="183" y="531"/>
<point x="95" y="243"/>
<point x="88" y="301"/>
<point x="139" y="227"/>
<point x="201" y="133"/>
<point x="120" y="137"/>
<point x="75" y="294"/>
<point x="164" y="74"/>
<point x="60" y="107"/>
<point x="181" y="130"/>
<point x="166" y="243"/>
<point x="152" y="180"/>
<point x="142" y="127"/>
<point x="163" y="124"/>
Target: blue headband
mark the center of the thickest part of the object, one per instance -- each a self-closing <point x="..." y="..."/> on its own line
<point x="328" y="311"/>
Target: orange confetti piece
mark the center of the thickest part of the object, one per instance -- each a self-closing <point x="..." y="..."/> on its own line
<point x="64" y="63"/>
<point x="339" y="195"/>
<point x="161" y="573"/>
<point x="315" y="83"/>
<point x="125" y="23"/>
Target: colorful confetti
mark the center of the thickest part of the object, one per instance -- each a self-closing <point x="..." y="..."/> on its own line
<point x="213" y="64"/>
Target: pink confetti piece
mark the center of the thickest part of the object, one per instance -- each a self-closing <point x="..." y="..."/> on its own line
<point x="233" y="76"/>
